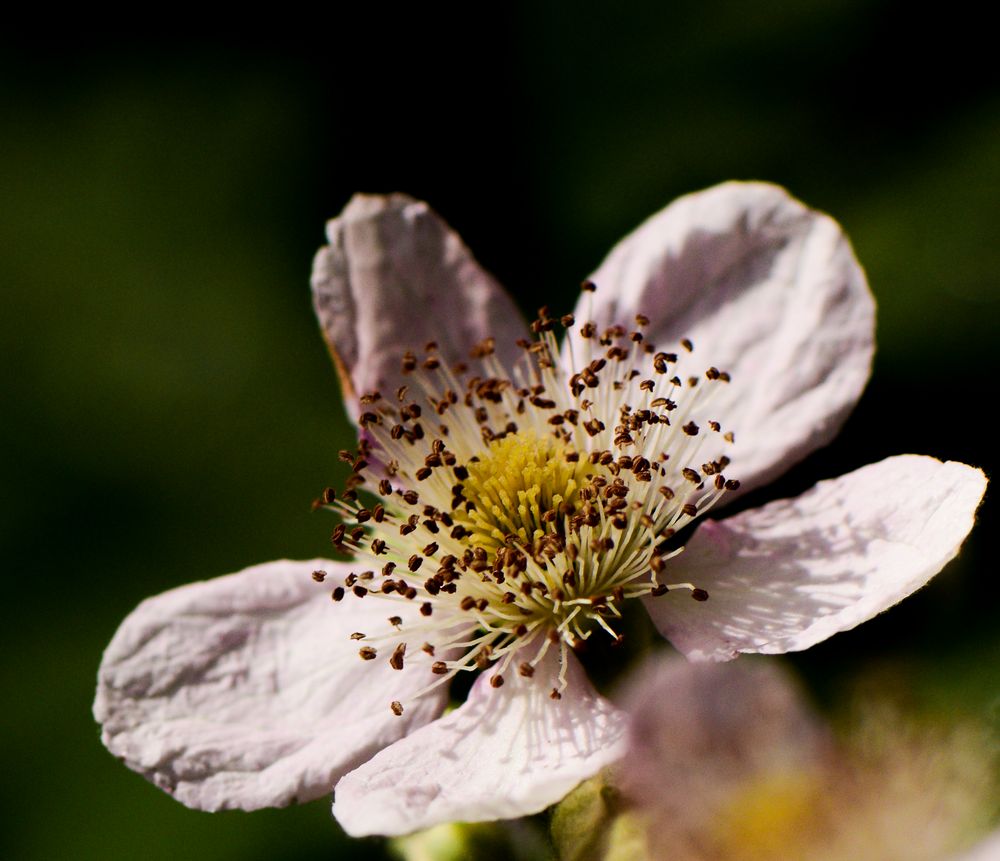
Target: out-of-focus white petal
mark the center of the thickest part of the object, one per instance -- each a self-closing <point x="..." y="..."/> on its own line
<point x="792" y="573"/>
<point x="505" y="752"/>
<point x="246" y="691"/>
<point x="395" y="277"/>
<point x="767" y="290"/>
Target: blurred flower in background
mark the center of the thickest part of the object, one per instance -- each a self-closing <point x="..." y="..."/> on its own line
<point x="727" y="762"/>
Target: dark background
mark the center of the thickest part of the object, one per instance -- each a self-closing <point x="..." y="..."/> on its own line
<point x="169" y="411"/>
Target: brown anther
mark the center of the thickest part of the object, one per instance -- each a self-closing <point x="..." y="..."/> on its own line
<point x="526" y="670"/>
<point x="396" y="661"/>
<point x="686" y="344"/>
<point x="567" y="320"/>
<point x="699" y="594"/>
<point x="397" y="707"/>
<point x="423" y="473"/>
<point x="659" y="590"/>
<point x="496" y="681"/>
<point x="395" y="621"/>
<point x="691" y="475"/>
<point x="367" y="653"/>
<point x="384" y="487"/>
<point x="691" y="429"/>
<point x="732" y="484"/>
<point x="360" y="591"/>
<point x="555" y="695"/>
<point x="439" y="668"/>
<point x="713" y="373"/>
<point x="357" y="635"/>
<point x="319" y="576"/>
<point x="426" y="608"/>
<point x="467" y="603"/>
<point x="430" y="549"/>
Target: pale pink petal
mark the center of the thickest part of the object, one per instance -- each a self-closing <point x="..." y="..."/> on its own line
<point x="246" y="691"/>
<point x="767" y="290"/>
<point x="505" y="752"/>
<point x="788" y="575"/>
<point x="395" y="277"/>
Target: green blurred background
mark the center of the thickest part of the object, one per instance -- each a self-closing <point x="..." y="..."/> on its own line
<point x="169" y="412"/>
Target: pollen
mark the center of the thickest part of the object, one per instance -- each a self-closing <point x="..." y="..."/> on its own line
<point x="521" y="489"/>
<point x="524" y="506"/>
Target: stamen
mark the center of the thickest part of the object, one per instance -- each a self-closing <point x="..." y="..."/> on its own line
<point x="544" y="504"/>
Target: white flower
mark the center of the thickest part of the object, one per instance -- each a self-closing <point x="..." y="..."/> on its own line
<point x="523" y="501"/>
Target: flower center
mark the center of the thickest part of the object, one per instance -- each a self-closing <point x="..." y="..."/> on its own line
<point x="521" y="507"/>
<point x="521" y="490"/>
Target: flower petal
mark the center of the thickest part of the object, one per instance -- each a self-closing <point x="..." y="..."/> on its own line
<point x="767" y="290"/>
<point x="785" y="576"/>
<point x="246" y="691"/>
<point x="395" y="277"/>
<point x="505" y="752"/>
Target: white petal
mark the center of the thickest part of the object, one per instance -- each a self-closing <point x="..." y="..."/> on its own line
<point x="788" y="575"/>
<point x="395" y="277"/>
<point x="769" y="291"/>
<point x="246" y="691"/>
<point x="505" y="752"/>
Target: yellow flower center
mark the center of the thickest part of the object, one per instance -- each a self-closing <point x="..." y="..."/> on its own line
<point x="522" y="489"/>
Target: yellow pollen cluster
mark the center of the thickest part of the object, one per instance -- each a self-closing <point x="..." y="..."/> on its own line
<point x="521" y="487"/>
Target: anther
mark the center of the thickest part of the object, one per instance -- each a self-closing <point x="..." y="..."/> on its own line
<point x="367" y="653"/>
<point x="699" y="594"/>
<point x="319" y="576"/>
<point x="439" y="668"/>
<point x="396" y="661"/>
<point x="496" y="681"/>
<point x="338" y="594"/>
<point x="397" y="707"/>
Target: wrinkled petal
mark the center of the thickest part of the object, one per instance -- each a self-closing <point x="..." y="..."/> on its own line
<point x="767" y="290"/>
<point x="246" y="691"/>
<point x="792" y="573"/>
<point x="505" y="752"/>
<point x="395" y="277"/>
